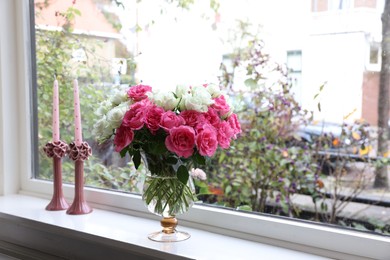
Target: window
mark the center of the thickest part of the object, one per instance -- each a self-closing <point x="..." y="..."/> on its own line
<point x="125" y="46"/>
<point x="254" y="223"/>
<point x="374" y="55"/>
<point x="374" y="60"/>
<point x="340" y="4"/>
<point x="294" y="66"/>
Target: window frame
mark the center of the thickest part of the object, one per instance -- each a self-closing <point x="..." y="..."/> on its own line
<point x="17" y="167"/>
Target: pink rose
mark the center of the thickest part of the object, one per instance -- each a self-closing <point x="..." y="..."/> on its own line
<point x="135" y="117"/>
<point x="192" y="118"/>
<point x="206" y="141"/>
<point x="234" y="124"/>
<point x="153" y="117"/>
<point x="212" y="117"/>
<point x="225" y="133"/>
<point x="138" y="93"/>
<point x="221" y="106"/>
<point x="123" y="137"/>
<point x="181" y="140"/>
<point x="169" y="120"/>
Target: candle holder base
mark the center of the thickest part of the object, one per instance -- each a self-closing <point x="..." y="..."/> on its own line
<point x="79" y="208"/>
<point x="57" y="150"/>
<point x="57" y="204"/>
<point x="79" y="153"/>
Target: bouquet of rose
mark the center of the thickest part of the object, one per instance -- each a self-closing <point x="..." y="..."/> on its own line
<point x="171" y="132"/>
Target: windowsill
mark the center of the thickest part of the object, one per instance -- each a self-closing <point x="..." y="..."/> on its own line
<point x="126" y="232"/>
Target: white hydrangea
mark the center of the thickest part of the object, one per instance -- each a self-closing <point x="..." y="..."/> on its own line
<point x="166" y="100"/>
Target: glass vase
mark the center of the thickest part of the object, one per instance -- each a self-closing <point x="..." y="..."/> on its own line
<point x="167" y="196"/>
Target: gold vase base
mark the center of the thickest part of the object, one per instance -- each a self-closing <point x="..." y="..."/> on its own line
<point x="176" y="236"/>
<point x="169" y="232"/>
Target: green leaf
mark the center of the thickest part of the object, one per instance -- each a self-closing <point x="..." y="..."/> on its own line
<point x="244" y="208"/>
<point x="228" y="189"/>
<point x="123" y="152"/>
<point x="324" y="206"/>
<point x="250" y="83"/>
<point x="199" y="159"/>
<point x="182" y="174"/>
<point x="171" y="160"/>
<point x="76" y="11"/>
<point x="157" y="147"/>
<point x="221" y="157"/>
<point x="322" y="86"/>
<point x="319" y="107"/>
<point x="137" y="159"/>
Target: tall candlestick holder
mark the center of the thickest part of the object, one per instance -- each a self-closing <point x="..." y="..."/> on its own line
<point x="57" y="150"/>
<point x="79" y="153"/>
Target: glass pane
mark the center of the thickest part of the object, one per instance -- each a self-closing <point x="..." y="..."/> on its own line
<point x="310" y="146"/>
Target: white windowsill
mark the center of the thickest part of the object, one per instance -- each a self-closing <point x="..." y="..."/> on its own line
<point x="131" y="232"/>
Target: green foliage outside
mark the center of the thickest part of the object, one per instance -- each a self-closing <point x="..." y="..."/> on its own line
<point x="54" y="55"/>
<point x="263" y="167"/>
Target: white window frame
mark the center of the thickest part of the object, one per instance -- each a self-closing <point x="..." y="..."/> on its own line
<point x="16" y="170"/>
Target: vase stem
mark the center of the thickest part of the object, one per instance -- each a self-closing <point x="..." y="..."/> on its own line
<point x="169" y="225"/>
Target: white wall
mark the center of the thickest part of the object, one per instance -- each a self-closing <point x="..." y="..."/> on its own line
<point x="339" y="60"/>
<point x="8" y="92"/>
<point x="15" y="112"/>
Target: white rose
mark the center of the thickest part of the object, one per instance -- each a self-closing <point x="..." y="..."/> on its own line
<point x="195" y="103"/>
<point x="102" y="130"/>
<point x="166" y="100"/>
<point x="115" y="116"/>
<point x="214" y="90"/>
<point x="126" y="105"/>
<point x="181" y="91"/>
<point x="118" y="98"/>
<point x="183" y="98"/>
<point x="198" y="174"/>
<point x="199" y="100"/>
<point x="202" y="93"/>
<point x="104" y="108"/>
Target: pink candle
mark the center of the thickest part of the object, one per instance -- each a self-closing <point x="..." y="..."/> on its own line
<point x="77" y="118"/>
<point x="56" y="113"/>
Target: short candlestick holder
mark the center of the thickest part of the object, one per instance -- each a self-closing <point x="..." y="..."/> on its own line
<point x="79" y="153"/>
<point x="57" y="150"/>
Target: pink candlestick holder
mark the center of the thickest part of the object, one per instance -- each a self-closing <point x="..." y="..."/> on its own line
<point x="79" y="153"/>
<point x="57" y="150"/>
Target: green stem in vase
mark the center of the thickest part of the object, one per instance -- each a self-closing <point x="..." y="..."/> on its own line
<point x="167" y="192"/>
